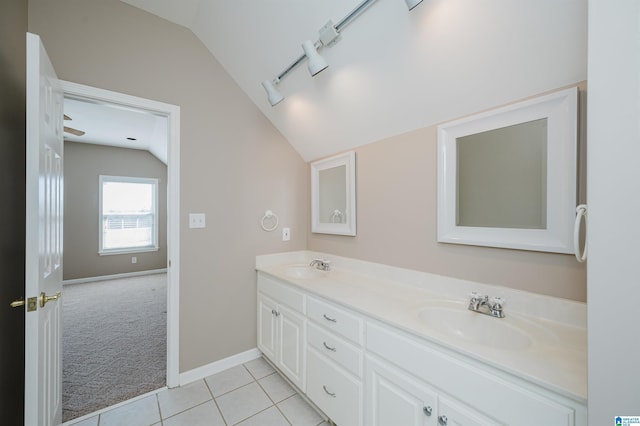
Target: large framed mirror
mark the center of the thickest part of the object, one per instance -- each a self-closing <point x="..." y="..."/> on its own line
<point x="333" y="195"/>
<point x="507" y="177"/>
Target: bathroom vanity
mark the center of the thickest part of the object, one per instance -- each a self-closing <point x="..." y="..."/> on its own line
<point x="371" y="344"/>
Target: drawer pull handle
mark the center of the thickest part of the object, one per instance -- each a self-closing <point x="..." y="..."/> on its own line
<point x="328" y="318"/>
<point x="443" y="420"/>
<point x="328" y="393"/>
<point x="427" y="410"/>
<point x="328" y="347"/>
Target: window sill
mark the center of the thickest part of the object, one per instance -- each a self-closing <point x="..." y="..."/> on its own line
<point x="128" y="251"/>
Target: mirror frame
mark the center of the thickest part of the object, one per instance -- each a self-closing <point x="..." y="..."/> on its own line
<point x="561" y="111"/>
<point x="349" y="228"/>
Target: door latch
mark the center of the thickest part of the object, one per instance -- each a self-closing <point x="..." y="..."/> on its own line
<point x="32" y="303"/>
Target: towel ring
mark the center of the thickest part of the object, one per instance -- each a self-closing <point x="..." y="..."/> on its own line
<point x="336" y="216"/>
<point x="581" y="211"/>
<point x="269" y="216"/>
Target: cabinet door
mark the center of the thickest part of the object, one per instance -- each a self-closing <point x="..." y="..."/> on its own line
<point x="267" y="326"/>
<point x="454" y="413"/>
<point x="394" y="398"/>
<point x="291" y="343"/>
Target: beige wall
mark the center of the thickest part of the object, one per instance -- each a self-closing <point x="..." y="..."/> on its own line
<point x="83" y="164"/>
<point x="396" y="205"/>
<point x="234" y="164"/>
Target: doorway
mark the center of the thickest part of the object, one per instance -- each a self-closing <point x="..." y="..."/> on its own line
<point x="172" y="115"/>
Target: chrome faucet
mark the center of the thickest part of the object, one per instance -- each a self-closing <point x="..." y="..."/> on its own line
<point x="485" y="305"/>
<point x="323" y="265"/>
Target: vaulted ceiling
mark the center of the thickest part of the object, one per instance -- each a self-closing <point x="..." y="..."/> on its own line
<point x="393" y="70"/>
<point x="113" y="125"/>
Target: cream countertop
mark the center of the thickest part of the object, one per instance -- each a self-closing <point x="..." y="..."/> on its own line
<point x="556" y="359"/>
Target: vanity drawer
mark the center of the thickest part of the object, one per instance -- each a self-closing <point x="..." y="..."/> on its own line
<point x="335" y="392"/>
<point x="281" y="292"/>
<point x="335" y="319"/>
<point x="335" y="348"/>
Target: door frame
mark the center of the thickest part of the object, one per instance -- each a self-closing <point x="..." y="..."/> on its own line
<point x="172" y="112"/>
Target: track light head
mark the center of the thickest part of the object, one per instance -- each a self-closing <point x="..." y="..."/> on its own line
<point x="274" y="96"/>
<point x="316" y="62"/>
<point x="412" y="3"/>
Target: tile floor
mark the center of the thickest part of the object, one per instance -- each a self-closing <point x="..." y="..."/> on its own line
<point x="252" y="394"/>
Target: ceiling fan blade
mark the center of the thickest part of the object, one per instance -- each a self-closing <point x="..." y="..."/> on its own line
<point x="73" y="131"/>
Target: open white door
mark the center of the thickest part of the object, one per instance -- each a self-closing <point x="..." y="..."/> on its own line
<point x="43" y="258"/>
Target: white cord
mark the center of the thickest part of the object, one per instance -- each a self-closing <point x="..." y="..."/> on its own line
<point x="269" y="216"/>
<point x="581" y="211"/>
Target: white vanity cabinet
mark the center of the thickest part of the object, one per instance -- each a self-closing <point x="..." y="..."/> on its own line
<point x="455" y="413"/>
<point x="335" y="361"/>
<point x="483" y="395"/>
<point x="360" y="370"/>
<point x="393" y="396"/>
<point x="281" y="328"/>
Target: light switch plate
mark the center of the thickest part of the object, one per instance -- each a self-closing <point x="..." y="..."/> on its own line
<point x="286" y="234"/>
<point x="197" y="220"/>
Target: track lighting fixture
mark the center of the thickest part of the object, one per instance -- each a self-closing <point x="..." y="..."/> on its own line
<point x="329" y="35"/>
<point x="412" y="3"/>
<point x="315" y="62"/>
<point x="274" y="96"/>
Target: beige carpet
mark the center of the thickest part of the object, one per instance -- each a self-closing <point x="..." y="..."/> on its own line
<point x="113" y="342"/>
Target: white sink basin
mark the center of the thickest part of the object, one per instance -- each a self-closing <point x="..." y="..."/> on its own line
<point x="454" y="319"/>
<point x="303" y="271"/>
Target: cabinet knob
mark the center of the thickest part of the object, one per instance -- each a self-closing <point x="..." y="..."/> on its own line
<point x="443" y="420"/>
<point x="427" y="410"/>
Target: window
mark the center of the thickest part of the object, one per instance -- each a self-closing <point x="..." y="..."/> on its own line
<point x="128" y="214"/>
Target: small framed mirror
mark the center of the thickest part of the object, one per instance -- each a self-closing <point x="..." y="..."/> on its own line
<point x="333" y="195"/>
<point x="507" y="177"/>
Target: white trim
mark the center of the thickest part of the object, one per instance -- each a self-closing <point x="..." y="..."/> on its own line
<point x="114" y="276"/>
<point x="561" y="111"/>
<point x="172" y="112"/>
<point x="218" y="366"/>
<point x="348" y="160"/>
<point x="154" y="182"/>
<point x="128" y="251"/>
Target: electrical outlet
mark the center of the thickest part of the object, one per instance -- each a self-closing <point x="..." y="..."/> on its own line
<point x="134" y="259"/>
<point x="197" y="220"/>
<point x="286" y="234"/>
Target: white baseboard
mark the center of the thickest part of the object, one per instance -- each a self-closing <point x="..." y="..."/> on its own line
<point x="218" y="366"/>
<point x="114" y="276"/>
